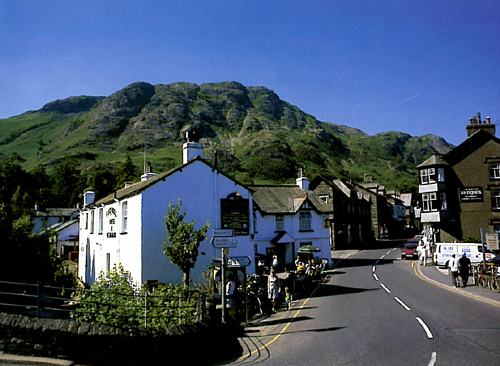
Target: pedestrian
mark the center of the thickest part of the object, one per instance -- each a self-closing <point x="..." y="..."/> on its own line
<point x="464" y="268"/>
<point x="273" y="288"/>
<point x="453" y="266"/>
<point x="288" y="298"/>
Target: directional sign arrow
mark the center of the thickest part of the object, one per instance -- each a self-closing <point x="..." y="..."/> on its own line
<point x="239" y="261"/>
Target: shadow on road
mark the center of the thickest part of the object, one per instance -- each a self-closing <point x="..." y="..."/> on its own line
<point x="286" y="320"/>
<point x="346" y="263"/>
<point x="332" y="290"/>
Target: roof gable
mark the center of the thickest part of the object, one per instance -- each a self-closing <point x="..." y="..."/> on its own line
<point x="469" y="146"/>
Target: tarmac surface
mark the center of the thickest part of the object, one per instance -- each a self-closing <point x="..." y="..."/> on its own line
<point x="262" y="331"/>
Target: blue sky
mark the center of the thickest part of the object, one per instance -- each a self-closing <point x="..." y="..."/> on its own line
<point x="413" y="66"/>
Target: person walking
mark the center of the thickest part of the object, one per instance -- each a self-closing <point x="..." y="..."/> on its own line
<point x="273" y="288"/>
<point x="453" y="265"/>
<point x="464" y="268"/>
<point x="288" y="298"/>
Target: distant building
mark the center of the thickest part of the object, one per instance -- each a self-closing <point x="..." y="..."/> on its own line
<point x="460" y="191"/>
<point x="47" y="217"/>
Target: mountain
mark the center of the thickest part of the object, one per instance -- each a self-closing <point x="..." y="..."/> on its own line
<point x="258" y="137"/>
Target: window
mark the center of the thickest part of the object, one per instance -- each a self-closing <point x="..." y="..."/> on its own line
<point x="424" y="178"/>
<point x="108" y="262"/>
<point x="92" y="221"/>
<point x="442" y="198"/>
<point x="279" y="222"/>
<point x="440" y="174"/>
<point x="305" y="220"/>
<point x="494" y="171"/>
<point x="429" y="175"/>
<point x="86" y="220"/>
<point x="429" y="201"/>
<point x="124" y="216"/>
<point x="254" y="221"/>
<point x="101" y="213"/>
<point x="495" y="199"/>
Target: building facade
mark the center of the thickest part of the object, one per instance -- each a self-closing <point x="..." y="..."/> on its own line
<point x="460" y="191"/>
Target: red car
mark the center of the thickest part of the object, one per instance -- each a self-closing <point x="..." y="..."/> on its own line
<point x="409" y="250"/>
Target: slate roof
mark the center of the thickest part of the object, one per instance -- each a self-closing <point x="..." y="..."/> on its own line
<point x="138" y="187"/>
<point x="433" y="161"/>
<point x="286" y="199"/>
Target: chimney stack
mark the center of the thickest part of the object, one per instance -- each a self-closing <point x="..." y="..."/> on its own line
<point x="191" y="148"/>
<point x="88" y="198"/>
<point x="302" y="180"/>
<point x="475" y="124"/>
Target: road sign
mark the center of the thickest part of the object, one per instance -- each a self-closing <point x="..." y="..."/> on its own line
<point x="223" y="232"/>
<point x="492" y="241"/>
<point x="224" y="242"/>
<point x="239" y="261"/>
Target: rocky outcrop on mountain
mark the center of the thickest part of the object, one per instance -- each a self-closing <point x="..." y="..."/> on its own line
<point x="263" y="137"/>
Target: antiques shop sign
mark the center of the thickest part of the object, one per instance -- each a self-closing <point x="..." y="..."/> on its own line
<point x="471" y="194"/>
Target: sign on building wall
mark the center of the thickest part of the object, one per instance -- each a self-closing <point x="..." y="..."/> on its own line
<point x="235" y="214"/>
<point x="471" y="194"/>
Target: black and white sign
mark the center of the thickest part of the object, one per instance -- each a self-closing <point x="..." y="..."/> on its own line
<point x="471" y="194"/>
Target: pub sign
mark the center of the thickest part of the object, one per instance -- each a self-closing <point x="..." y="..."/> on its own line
<point x="234" y="214"/>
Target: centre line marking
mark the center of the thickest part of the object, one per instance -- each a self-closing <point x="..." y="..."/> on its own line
<point x="375" y="276"/>
<point x="385" y="288"/>
<point x="426" y="328"/>
<point x="401" y="303"/>
<point x="373" y="269"/>
<point x="389" y="252"/>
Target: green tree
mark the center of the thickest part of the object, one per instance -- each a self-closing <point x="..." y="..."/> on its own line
<point x="183" y="241"/>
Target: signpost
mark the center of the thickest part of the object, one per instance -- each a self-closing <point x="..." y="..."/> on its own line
<point x="223" y="238"/>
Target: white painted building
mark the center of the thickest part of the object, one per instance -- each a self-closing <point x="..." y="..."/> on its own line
<point x="127" y="226"/>
<point x="287" y="217"/>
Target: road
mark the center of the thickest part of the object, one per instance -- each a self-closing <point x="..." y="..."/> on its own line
<point x="376" y="310"/>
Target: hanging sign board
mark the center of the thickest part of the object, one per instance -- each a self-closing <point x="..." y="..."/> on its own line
<point x="235" y="214"/>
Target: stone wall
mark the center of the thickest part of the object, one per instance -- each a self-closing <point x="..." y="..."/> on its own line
<point x="199" y="343"/>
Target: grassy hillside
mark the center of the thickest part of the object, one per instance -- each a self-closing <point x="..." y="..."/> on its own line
<point x="259" y="137"/>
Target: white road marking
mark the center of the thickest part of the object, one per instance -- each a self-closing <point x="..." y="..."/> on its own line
<point x="401" y="303"/>
<point x="385" y="288"/>
<point x="426" y="328"/>
<point x="375" y="276"/>
<point x="382" y="256"/>
<point x="389" y="252"/>
<point x="373" y="269"/>
<point x="433" y="359"/>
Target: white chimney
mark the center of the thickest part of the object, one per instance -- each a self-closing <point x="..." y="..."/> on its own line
<point x="302" y="180"/>
<point x="88" y="198"/>
<point x="192" y="148"/>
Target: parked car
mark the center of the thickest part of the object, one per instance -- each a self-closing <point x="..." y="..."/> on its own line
<point x="409" y="250"/>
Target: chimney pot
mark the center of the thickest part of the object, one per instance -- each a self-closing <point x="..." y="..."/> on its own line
<point x="488" y="120"/>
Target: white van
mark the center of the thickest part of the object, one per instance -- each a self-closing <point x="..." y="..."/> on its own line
<point x="473" y="251"/>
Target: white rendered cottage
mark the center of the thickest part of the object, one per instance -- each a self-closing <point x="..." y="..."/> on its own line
<point x="287" y="217"/>
<point x="127" y="226"/>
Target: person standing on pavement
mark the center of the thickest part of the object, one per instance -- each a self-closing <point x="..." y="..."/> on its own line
<point x="273" y="288"/>
<point x="464" y="268"/>
<point x="453" y="265"/>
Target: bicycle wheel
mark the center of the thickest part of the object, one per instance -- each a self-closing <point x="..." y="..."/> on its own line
<point x="482" y="280"/>
<point x="495" y="284"/>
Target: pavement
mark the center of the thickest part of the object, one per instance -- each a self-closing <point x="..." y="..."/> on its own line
<point x="262" y="331"/>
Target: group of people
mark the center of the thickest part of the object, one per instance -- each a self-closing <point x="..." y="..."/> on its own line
<point x="460" y="266"/>
<point x="309" y="268"/>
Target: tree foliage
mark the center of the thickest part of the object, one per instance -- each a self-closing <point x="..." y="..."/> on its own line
<point x="183" y="241"/>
